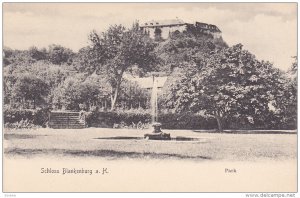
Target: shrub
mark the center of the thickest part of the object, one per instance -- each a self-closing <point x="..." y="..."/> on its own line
<point x="17" y="116"/>
<point x="109" y="119"/>
<point x="135" y="119"/>
<point x="27" y="124"/>
<point x="186" y="121"/>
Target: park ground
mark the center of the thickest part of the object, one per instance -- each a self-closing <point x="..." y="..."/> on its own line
<point x="152" y="165"/>
<point x="129" y="143"/>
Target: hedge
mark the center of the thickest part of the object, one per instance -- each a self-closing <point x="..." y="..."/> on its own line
<point x="132" y="118"/>
<point x="168" y="120"/>
<point x="35" y="116"/>
<point x="108" y="119"/>
<point x="186" y="121"/>
<point x="181" y="121"/>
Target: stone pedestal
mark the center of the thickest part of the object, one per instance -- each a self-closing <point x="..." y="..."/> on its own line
<point x="157" y="134"/>
<point x="156" y="127"/>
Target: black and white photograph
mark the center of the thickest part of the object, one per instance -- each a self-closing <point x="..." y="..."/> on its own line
<point x="150" y="97"/>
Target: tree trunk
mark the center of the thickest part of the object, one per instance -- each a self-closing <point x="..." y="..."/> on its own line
<point x="117" y="90"/>
<point x="115" y="97"/>
<point x="219" y="121"/>
<point x="113" y="101"/>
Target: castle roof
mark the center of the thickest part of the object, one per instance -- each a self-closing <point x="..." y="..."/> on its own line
<point x="169" y="22"/>
<point x="179" y="22"/>
<point x="207" y="26"/>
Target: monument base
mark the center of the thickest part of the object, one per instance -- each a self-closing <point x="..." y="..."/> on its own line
<point x="157" y="134"/>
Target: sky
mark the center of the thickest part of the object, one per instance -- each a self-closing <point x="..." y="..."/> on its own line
<point x="268" y="30"/>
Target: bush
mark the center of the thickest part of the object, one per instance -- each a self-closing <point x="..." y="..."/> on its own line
<point x="268" y="122"/>
<point x="142" y="119"/>
<point x="138" y="119"/>
<point x="13" y="117"/>
<point x="186" y="121"/>
<point x="20" y="125"/>
<point x="109" y="119"/>
<point x="135" y="119"/>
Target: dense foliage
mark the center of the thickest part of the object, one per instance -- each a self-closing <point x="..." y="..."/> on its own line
<point x="231" y="85"/>
<point x="209" y="85"/>
<point x="37" y="117"/>
<point x="142" y="119"/>
<point x="118" y="50"/>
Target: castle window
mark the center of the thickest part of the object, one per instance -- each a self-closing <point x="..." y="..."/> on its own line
<point x="157" y="34"/>
<point x="151" y="23"/>
<point x="157" y="23"/>
<point x="177" y="32"/>
<point x="146" y="23"/>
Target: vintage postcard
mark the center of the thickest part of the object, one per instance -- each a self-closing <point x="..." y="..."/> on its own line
<point x="150" y="97"/>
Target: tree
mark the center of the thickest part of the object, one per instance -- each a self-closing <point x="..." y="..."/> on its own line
<point x="78" y="90"/>
<point x="186" y="49"/>
<point x="37" y="54"/>
<point x="30" y="87"/>
<point x="133" y="96"/>
<point x="7" y="54"/>
<point x="232" y="84"/>
<point x="51" y="74"/>
<point x="15" y="58"/>
<point x="58" y="54"/>
<point x="119" y="49"/>
<point x="285" y="101"/>
<point x="87" y="61"/>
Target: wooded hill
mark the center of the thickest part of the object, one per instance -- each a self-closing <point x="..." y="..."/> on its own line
<point x="205" y="77"/>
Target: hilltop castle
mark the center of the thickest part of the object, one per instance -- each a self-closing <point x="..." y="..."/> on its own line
<point x="163" y="28"/>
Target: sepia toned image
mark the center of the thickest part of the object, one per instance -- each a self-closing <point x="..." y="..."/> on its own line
<point x="150" y="97"/>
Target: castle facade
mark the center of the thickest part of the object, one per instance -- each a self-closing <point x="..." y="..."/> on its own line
<point x="164" y="28"/>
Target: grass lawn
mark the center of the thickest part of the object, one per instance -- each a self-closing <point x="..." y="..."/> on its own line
<point x="94" y="142"/>
<point x="263" y="162"/>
